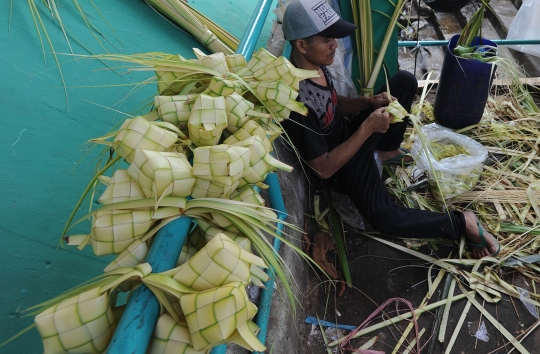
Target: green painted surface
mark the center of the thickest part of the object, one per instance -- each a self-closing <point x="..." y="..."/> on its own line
<point x="45" y="162"/>
<point x="380" y="25"/>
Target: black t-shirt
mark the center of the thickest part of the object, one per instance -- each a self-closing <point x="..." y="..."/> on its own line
<point x="323" y="128"/>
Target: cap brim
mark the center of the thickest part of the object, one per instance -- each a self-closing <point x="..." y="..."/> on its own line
<point x="340" y="29"/>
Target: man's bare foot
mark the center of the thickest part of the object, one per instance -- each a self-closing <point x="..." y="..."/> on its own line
<point x="394" y="155"/>
<point x="473" y="235"/>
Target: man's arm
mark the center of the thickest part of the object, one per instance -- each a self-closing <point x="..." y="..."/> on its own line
<point x="330" y="162"/>
<point x="352" y="105"/>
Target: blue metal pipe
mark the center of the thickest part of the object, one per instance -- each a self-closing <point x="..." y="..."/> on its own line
<point x="137" y="323"/>
<point x="254" y="29"/>
<point x="265" y="302"/>
<point x="287" y="50"/>
<point x="445" y="43"/>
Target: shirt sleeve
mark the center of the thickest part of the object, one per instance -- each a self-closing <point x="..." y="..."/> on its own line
<point x="306" y="135"/>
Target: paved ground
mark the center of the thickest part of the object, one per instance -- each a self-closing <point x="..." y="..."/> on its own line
<point x="380" y="273"/>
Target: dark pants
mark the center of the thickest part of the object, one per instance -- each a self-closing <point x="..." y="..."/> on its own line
<point x="360" y="180"/>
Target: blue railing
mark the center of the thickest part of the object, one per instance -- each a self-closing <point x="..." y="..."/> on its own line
<point x="445" y="43"/>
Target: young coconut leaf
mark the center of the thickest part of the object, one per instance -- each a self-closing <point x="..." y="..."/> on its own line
<point x="180" y="13"/>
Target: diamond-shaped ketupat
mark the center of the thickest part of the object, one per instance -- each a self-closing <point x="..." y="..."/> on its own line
<point x="121" y="187"/>
<point x="140" y="134"/>
<point x="175" y="109"/>
<point x="237" y="112"/>
<point x="219" y="86"/>
<point x="172" y="337"/>
<point x="207" y="120"/>
<point x="114" y="230"/>
<point x="223" y="164"/>
<point x="230" y="310"/>
<point x="162" y="173"/>
<point x="220" y="262"/>
<point x="80" y="324"/>
<point x="235" y="62"/>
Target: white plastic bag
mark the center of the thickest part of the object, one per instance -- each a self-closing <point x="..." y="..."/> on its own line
<point x="525" y="26"/>
<point x="456" y="174"/>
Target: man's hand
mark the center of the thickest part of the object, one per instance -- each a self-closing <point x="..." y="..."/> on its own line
<point x="378" y="121"/>
<point x="329" y="163"/>
<point x="380" y="100"/>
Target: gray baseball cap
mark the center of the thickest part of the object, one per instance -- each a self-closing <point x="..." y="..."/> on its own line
<point x="304" y="18"/>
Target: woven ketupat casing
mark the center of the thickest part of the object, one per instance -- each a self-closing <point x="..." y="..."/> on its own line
<point x="162" y="173"/>
<point x="134" y="254"/>
<point x="209" y="232"/>
<point x="259" y="60"/>
<point x="237" y="108"/>
<point x="140" y="134"/>
<point x="216" y="315"/>
<point x="261" y="162"/>
<point x="207" y="121"/>
<point x="223" y="164"/>
<point x="279" y="69"/>
<point x="175" y="109"/>
<point x="114" y="230"/>
<point x="121" y="188"/>
<point x="279" y="98"/>
<point x="80" y="324"/>
<point x="216" y="61"/>
<point x="220" y="262"/>
<point x="208" y="189"/>
<point x="235" y="62"/>
<point x="172" y="337"/>
<point x="219" y="86"/>
<point x="249" y="129"/>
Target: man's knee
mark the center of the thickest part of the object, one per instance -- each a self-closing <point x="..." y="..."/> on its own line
<point x="406" y="78"/>
<point x="403" y="86"/>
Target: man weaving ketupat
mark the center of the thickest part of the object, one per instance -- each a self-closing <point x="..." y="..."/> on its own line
<point x="341" y="151"/>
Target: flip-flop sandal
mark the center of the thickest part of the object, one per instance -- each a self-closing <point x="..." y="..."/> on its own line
<point x="483" y="243"/>
<point x="398" y="159"/>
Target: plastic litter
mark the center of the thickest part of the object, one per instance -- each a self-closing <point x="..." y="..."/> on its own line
<point x="481" y="333"/>
<point x="313" y="320"/>
<point x="525" y="298"/>
<point x="525" y="26"/>
<point x="455" y="174"/>
<point x="409" y="32"/>
<point x="396" y="301"/>
<point x="519" y="261"/>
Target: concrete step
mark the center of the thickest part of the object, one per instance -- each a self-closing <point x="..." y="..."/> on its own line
<point x="446" y="24"/>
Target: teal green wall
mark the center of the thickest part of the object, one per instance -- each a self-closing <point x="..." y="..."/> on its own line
<point x="45" y="163"/>
<point x="380" y="26"/>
